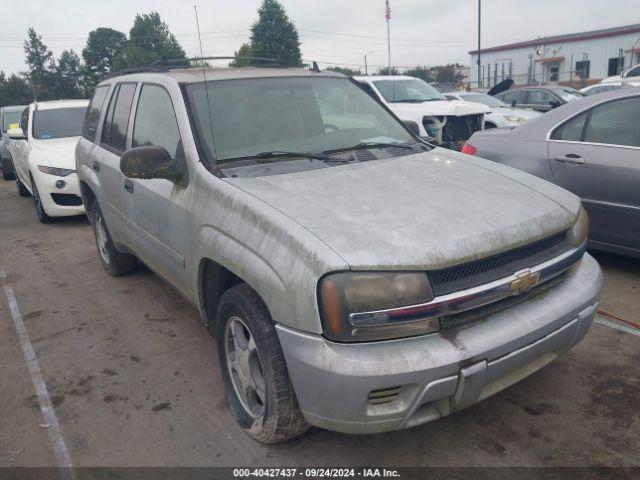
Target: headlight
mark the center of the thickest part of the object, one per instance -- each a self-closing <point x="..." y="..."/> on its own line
<point x="343" y="294"/>
<point x="511" y="118"/>
<point x="58" y="172"/>
<point x="580" y="230"/>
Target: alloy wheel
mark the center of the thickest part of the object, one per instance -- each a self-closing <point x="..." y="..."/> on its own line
<point x="102" y="239"/>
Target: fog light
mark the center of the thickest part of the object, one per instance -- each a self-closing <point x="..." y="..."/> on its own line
<point x="61" y="184"/>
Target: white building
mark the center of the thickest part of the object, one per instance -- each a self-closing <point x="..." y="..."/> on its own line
<point x="577" y="58"/>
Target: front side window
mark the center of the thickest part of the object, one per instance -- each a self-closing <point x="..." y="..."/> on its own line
<point x="407" y="91"/>
<point x="569" y="94"/>
<point x="93" y="113"/>
<point x="540" y="97"/>
<point x="156" y="122"/>
<point x="58" y="122"/>
<point x="10" y="118"/>
<point x="245" y="117"/>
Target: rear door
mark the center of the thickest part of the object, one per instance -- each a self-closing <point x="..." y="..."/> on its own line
<point x="596" y="155"/>
<point x="116" y="205"/>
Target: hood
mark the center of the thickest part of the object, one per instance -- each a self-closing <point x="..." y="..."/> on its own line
<point x="423" y="211"/>
<point x="455" y="108"/>
<point x="58" y="152"/>
<point x="501" y="87"/>
<point x="525" y="113"/>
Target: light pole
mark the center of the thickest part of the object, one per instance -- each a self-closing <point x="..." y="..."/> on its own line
<point x="365" y="63"/>
<point x="479" y="26"/>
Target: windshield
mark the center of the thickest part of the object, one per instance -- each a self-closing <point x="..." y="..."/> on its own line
<point x="407" y="91"/>
<point x="10" y="118"/>
<point x="295" y="114"/>
<point x="58" y="122"/>
<point x="569" y="94"/>
<point x="485" y="99"/>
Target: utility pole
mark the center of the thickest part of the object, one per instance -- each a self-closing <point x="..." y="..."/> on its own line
<point x="366" y="71"/>
<point x="387" y="15"/>
<point x="479" y="23"/>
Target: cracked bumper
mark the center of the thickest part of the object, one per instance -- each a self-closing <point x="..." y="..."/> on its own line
<point x="440" y="373"/>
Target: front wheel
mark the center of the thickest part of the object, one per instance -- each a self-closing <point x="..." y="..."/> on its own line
<point x="258" y="387"/>
<point x="40" y="211"/>
<point x="113" y="261"/>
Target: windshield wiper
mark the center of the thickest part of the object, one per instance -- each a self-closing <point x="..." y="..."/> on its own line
<point x="279" y="154"/>
<point x="366" y="145"/>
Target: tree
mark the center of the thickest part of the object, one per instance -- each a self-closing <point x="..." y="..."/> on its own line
<point x="389" y="71"/>
<point x="41" y="64"/>
<point x="449" y="73"/>
<point x="14" y="90"/>
<point x="103" y="47"/>
<point x="68" y="76"/>
<point x="346" y="71"/>
<point x="274" y="35"/>
<point x="424" y="73"/>
<point x="244" y="51"/>
<point x="149" y="40"/>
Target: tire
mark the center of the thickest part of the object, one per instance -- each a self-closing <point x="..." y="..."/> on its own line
<point x="22" y="190"/>
<point x="7" y="170"/>
<point x="113" y="261"/>
<point x="244" y="321"/>
<point x="40" y="211"/>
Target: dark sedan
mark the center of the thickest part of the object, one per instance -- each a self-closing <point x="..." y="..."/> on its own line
<point x="591" y="147"/>
<point x="542" y="99"/>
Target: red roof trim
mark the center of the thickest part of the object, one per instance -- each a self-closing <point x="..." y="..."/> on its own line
<point x="559" y="39"/>
<point x="633" y="50"/>
<point x="551" y="60"/>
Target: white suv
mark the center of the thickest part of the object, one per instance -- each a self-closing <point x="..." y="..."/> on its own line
<point x="428" y="113"/>
<point x="43" y="151"/>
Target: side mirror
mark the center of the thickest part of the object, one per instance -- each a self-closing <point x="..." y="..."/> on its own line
<point x="513" y="103"/>
<point x="412" y="126"/>
<point x="554" y="103"/>
<point x="151" y="162"/>
<point x="16" y="134"/>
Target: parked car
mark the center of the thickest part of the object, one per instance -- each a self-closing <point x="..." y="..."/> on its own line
<point x="8" y="117"/>
<point x="590" y="147"/>
<point x="542" y="98"/>
<point x="606" y="87"/>
<point x="43" y="151"/>
<point x="431" y="116"/>
<point x="501" y="115"/>
<point x="355" y="277"/>
<point x="631" y="75"/>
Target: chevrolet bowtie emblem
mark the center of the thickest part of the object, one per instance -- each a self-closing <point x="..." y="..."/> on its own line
<point x="525" y="280"/>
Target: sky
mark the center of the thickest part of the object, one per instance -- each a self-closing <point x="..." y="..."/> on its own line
<point x="423" y="32"/>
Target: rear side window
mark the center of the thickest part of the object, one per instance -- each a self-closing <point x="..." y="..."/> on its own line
<point x="156" y="122"/>
<point x="615" y="123"/>
<point x="93" y="113"/>
<point x="114" y="133"/>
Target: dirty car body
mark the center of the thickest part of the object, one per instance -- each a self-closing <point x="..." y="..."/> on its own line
<point x="404" y="282"/>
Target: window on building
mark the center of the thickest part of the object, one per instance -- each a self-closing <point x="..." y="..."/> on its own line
<point x="554" y="73"/>
<point x="616" y="65"/>
<point x="582" y="68"/>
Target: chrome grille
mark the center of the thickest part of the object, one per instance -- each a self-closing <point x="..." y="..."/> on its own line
<point x="478" y="272"/>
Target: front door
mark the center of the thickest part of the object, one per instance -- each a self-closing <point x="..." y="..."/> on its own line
<point x="596" y="155"/>
<point x="160" y="205"/>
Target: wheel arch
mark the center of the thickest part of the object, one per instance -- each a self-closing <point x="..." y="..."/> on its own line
<point x="213" y="280"/>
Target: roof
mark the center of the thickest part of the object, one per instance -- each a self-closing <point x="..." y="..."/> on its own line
<point x="383" y="77"/>
<point x="53" y="104"/>
<point x="194" y="75"/>
<point x="13" y="108"/>
<point x="571" y="37"/>
<point x="540" y="87"/>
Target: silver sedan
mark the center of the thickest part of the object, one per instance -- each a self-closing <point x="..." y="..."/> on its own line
<point x="591" y="147"/>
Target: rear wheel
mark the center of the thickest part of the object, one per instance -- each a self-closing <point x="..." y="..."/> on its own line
<point x="113" y="261"/>
<point x="7" y="170"/>
<point x="22" y="190"/>
<point x="259" y="390"/>
<point x="40" y="211"/>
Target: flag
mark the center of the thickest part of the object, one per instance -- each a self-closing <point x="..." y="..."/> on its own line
<point x="387" y="11"/>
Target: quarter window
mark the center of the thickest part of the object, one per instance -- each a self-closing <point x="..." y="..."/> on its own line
<point x="93" y="113"/>
<point x="116" y="123"/>
<point x="156" y="122"/>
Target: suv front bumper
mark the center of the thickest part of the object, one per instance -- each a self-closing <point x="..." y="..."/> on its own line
<point x="416" y="380"/>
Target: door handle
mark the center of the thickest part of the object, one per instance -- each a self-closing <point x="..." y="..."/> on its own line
<point x="128" y="185"/>
<point x="95" y="166"/>
<point x="569" y="158"/>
